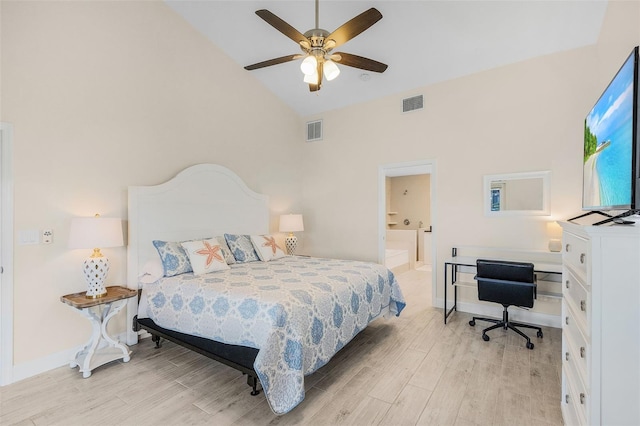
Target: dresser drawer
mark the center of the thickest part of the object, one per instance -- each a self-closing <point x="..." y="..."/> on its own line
<point x="573" y="328"/>
<point x="576" y="348"/>
<point x="577" y="296"/>
<point x="569" y="412"/>
<point x="574" y="401"/>
<point x="574" y="254"/>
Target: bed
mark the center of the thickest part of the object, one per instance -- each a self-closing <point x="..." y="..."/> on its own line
<point x="276" y="318"/>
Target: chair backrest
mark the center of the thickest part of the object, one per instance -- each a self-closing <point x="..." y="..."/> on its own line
<point x="505" y="270"/>
<point x="505" y="282"/>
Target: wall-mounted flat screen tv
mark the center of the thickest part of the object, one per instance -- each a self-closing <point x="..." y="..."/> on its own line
<point x="611" y="174"/>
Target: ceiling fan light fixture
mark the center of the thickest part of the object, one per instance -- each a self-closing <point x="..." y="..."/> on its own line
<point x="330" y="69"/>
<point x="311" y="78"/>
<point x="309" y="65"/>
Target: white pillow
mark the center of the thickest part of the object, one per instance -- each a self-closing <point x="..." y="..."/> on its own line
<point x="266" y="247"/>
<point x="205" y="256"/>
<point x="151" y="272"/>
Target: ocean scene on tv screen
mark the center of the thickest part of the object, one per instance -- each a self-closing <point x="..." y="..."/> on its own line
<point x="608" y="146"/>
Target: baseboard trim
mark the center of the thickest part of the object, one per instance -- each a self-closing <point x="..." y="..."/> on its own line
<point x="41" y="365"/>
<point x="50" y="362"/>
<point x="517" y="314"/>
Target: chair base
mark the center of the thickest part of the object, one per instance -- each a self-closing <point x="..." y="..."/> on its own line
<point x="506" y="324"/>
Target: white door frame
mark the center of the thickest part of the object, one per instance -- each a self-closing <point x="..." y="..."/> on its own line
<point x="421" y="167"/>
<point x="6" y="254"/>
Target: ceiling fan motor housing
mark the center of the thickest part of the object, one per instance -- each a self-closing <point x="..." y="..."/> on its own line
<point x="316" y="36"/>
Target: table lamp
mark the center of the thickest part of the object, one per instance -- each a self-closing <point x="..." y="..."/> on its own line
<point x="291" y="223"/>
<point x="95" y="232"/>
<point x="555" y="231"/>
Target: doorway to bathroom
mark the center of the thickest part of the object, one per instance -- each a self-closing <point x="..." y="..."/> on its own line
<point x="407" y="222"/>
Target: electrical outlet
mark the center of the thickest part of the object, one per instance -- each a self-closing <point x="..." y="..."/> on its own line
<point x="47" y="236"/>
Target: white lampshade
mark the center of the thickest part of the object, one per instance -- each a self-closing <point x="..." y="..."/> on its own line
<point x="95" y="233"/>
<point x="291" y="223"/>
<point x="309" y="65"/>
<point x="554" y="230"/>
<point x="331" y="70"/>
<point x="311" y="78"/>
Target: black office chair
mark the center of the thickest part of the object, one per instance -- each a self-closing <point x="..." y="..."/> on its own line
<point x="507" y="283"/>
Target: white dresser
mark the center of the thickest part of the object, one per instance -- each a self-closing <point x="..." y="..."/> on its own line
<point x="601" y="325"/>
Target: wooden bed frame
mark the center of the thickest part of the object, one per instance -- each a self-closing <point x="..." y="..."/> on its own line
<point x="204" y="200"/>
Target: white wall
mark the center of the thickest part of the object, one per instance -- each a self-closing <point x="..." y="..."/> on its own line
<point x="103" y="95"/>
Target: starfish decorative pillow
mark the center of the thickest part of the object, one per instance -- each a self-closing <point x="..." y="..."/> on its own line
<point x="266" y="247"/>
<point x="205" y="256"/>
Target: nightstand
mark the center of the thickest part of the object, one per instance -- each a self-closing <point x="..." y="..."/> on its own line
<point x="101" y="348"/>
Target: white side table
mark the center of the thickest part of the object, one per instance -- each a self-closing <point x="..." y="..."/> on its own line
<point x="101" y="348"/>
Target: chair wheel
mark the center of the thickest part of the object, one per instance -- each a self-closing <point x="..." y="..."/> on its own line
<point x="472" y="323"/>
<point x="485" y="337"/>
<point x="540" y="334"/>
<point x="529" y="345"/>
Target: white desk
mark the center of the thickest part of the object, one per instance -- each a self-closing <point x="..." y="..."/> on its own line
<point x="454" y="265"/>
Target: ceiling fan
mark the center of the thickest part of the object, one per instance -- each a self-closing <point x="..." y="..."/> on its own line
<point x="317" y="46"/>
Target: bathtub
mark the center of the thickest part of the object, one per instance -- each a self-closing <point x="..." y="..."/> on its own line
<point x="401" y="250"/>
<point x="397" y="260"/>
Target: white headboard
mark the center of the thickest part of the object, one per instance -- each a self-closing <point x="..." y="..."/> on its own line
<point x="201" y="201"/>
<point x="205" y="200"/>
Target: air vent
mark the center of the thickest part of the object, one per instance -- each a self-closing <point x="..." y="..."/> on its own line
<point x="314" y="131"/>
<point x="412" y="104"/>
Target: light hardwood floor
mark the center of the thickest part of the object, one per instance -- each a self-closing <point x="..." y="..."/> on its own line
<point x="411" y="370"/>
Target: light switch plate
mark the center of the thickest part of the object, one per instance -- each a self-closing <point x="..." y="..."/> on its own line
<point x="28" y="237"/>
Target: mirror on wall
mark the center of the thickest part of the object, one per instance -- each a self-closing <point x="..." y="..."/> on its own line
<point x="517" y="194"/>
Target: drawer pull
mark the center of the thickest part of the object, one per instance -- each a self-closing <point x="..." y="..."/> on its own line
<point x="566" y="320"/>
<point x="566" y="356"/>
<point x="566" y="284"/>
<point x="582" y="256"/>
<point x="582" y="398"/>
<point x="566" y="398"/>
<point x="583" y="352"/>
<point x="583" y="305"/>
<point x="567" y="247"/>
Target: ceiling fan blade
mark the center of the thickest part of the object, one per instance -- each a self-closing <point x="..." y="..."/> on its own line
<point x="281" y="26"/>
<point x="358" y="62"/>
<point x="355" y="26"/>
<point x="274" y="61"/>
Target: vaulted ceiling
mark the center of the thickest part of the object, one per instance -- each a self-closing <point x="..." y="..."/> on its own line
<point x="423" y="42"/>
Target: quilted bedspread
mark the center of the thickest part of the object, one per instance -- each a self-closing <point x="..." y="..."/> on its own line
<point x="297" y="311"/>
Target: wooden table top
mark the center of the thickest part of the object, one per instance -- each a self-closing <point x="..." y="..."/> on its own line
<point x="80" y="300"/>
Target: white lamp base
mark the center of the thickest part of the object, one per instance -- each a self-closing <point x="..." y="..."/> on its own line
<point x="95" y="271"/>
<point x="291" y="242"/>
